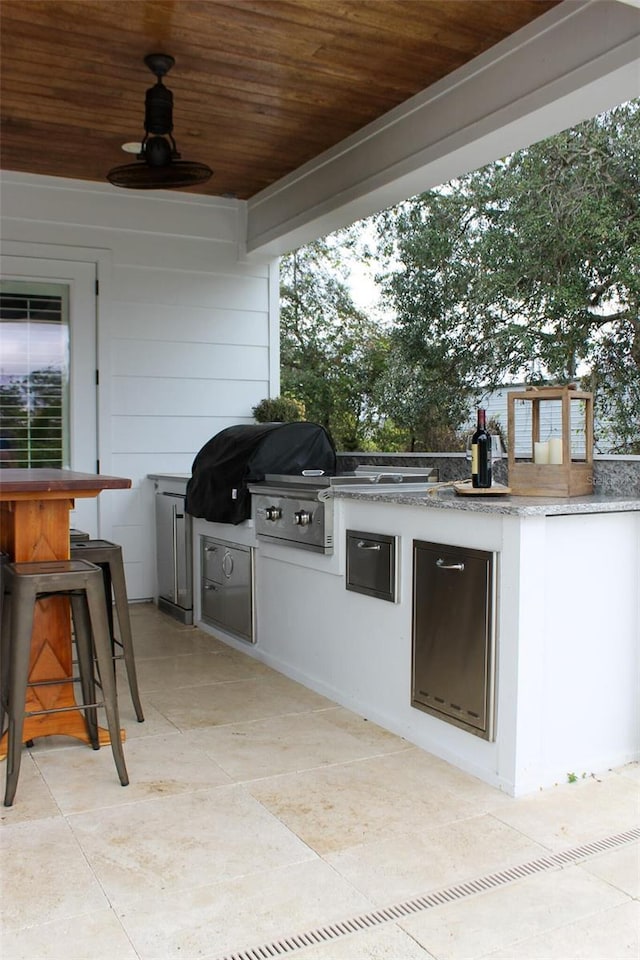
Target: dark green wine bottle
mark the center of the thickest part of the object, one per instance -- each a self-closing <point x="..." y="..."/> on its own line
<point x="481" y="453"/>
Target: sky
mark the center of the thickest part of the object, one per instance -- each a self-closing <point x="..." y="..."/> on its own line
<point x="20" y="351"/>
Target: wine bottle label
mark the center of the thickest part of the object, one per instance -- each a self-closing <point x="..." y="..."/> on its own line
<point x="474" y="458"/>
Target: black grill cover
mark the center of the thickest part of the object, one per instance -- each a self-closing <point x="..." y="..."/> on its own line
<point x="243" y="454"/>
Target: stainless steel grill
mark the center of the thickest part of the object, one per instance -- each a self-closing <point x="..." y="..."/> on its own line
<point x="297" y="510"/>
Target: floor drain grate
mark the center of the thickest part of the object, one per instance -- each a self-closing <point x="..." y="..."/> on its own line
<point x="365" y="921"/>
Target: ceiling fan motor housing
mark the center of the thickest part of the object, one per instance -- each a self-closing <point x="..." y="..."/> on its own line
<point x="158" y="123"/>
<point x="158" y="109"/>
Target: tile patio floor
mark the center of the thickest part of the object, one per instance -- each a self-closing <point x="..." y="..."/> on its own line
<point x="258" y="812"/>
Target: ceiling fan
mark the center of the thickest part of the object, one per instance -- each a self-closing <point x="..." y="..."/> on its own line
<point x="158" y="165"/>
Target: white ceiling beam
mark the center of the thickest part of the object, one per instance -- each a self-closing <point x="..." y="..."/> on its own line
<point x="577" y="60"/>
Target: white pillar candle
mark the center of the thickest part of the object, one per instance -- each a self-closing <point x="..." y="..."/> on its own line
<point x="541" y="452"/>
<point x="555" y="450"/>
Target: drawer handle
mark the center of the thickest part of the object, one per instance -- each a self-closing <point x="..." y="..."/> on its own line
<point x="363" y="545"/>
<point x="210" y="549"/>
<point x="209" y="586"/>
<point x="443" y="565"/>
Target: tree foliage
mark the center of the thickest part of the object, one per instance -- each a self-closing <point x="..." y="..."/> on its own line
<point x="529" y="267"/>
<point x="31" y="418"/>
<point x="332" y="355"/>
<point x="278" y="410"/>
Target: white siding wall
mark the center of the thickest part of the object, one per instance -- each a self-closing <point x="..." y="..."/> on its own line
<point x="187" y="329"/>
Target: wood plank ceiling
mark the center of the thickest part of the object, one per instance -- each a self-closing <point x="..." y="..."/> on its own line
<point x="260" y="86"/>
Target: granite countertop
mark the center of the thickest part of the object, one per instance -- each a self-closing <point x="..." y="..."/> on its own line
<point x="446" y="498"/>
<point x="169" y="476"/>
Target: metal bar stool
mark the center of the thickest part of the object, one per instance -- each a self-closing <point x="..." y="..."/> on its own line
<point x="75" y="534"/>
<point x="4" y="558"/>
<point x="108" y="556"/>
<point x="24" y="585"/>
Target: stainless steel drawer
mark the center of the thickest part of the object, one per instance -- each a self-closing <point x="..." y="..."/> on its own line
<point x="371" y="564"/>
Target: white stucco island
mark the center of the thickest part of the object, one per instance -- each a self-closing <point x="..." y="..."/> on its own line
<point x="567" y="627"/>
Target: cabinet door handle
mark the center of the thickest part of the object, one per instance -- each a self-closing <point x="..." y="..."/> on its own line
<point x="210" y="586"/>
<point x="174" y="548"/>
<point x="443" y="565"/>
<point x="363" y="545"/>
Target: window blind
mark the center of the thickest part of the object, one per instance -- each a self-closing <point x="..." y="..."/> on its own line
<point x="34" y="374"/>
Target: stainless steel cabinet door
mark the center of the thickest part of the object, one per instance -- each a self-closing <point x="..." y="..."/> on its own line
<point x="236" y="569"/>
<point x="173" y="550"/>
<point x="453" y="631"/>
<point x="212" y="554"/>
<point x="227" y="587"/>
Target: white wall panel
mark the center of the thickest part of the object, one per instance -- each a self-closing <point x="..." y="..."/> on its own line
<point x="175" y="435"/>
<point x="167" y="397"/>
<point x="118" y="504"/>
<point x="139" y="464"/>
<point x="196" y="255"/>
<point x="131" y="506"/>
<point x="189" y="360"/>
<point x="78" y="204"/>
<point x="194" y="324"/>
<point x="198" y="290"/>
<point x="190" y="254"/>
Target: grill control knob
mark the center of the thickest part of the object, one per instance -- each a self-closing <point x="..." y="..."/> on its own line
<point x="272" y="513"/>
<point x="302" y="518"/>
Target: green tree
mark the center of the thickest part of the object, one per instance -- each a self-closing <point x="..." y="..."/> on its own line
<point x="425" y="390"/>
<point x="528" y="267"/>
<point x="332" y="355"/>
<point x="31" y="415"/>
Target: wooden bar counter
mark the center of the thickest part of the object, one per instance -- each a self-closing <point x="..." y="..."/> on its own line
<point x="34" y="526"/>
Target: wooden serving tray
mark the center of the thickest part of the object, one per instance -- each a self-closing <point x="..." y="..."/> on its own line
<point x="464" y="488"/>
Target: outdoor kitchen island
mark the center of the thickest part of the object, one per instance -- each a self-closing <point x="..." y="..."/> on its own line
<point x="566" y="664"/>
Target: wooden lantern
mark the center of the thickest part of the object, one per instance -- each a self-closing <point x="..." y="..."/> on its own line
<point x="557" y="466"/>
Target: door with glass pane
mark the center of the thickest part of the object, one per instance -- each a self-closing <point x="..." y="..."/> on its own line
<point x="47" y="369"/>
